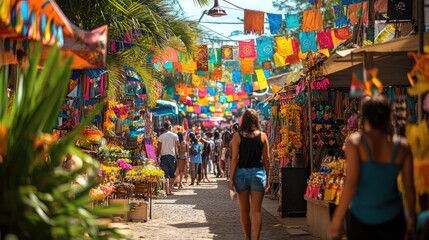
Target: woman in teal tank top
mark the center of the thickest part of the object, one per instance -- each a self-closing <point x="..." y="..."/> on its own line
<point x="371" y="197"/>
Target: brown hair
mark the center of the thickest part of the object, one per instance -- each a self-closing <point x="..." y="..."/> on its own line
<point x="250" y="121"/>
<point x="167" y="125"/>
<point x="376" y="110"/>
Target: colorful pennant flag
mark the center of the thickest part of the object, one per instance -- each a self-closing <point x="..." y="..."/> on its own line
<point x="284" y="46"/>
<point x="171" y="55"/>
<point x="236" y="76"/>
<point x="247" y="49"/>
<point x="215" y="56"/>
<point x="275" y="21"/>
<point x="312" y="20"/>
<point x="229" y="89"/>
<point x="247" y="65"/>
<point x="292" y="21"/>
<point x="247" y="77"/>
<point x="217" y="73"/>
<point x="253" y="22"/>
<point x="202" y="58"/>
<point x="265" y="49"/>
<point x="342" y="33"/>
<point x="307" y="41"/>
<point x="189" y="67"/>
<point x="324" y="39"/>
<point x="279" y="60"/>
<point x="262" y="80"/>
<point x="196" y="80"/>
<point x="227" y="52"/>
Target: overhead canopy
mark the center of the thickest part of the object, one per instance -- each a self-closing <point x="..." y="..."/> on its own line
<point x="165" y="108"/>
<point x="43" y="20"/>
<point x="390" y="58"/>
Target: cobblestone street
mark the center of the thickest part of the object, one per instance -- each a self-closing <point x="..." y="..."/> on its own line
<point x="203" y="212"/>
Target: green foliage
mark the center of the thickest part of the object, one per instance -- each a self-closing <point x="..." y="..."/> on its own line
<point x="37" y="197"/>
<point x="161" y="26"/>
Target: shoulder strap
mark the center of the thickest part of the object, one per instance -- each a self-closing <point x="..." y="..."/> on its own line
<point x="395" y="152"/>
<point x="368" y="149"/>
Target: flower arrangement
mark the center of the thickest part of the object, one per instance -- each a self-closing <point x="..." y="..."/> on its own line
<point x="101" y="191"/>
<point x="92" y="133"/>
<point x="124" y="188"/>
<point x="144" y="174"/>
<point x="291" y="134"/>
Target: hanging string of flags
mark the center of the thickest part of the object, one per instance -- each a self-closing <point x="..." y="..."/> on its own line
<point x="223" y="78"/>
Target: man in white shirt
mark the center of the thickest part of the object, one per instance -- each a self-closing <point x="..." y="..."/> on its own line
<point x="168" y="145"/>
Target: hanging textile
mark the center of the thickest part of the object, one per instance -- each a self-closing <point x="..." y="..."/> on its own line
<point x="248" y="87"/>
<point x="342" y="33"/>
<point x="211" y="91"/>
<point x="220" y="87"/>
<point x="247" y="65"/>
<point x="284" y="46"/>
<point x="340" y="17"/>
<point x="264" y="47"/>
<point x="227" y="52"/>
<point x="307" y="41"/>
<point x="236" y="76"/>
<point x="292" y="21"/>
<point x="262" y="80"/>
<point x="267" y="65"/>
<point x="247" y="77"/>
<point x="279" y="60"/>
<point x="247" y="49"/>
<point x="189" y="67"/>
<point x="353" y="13"/>
<point x="275" y="21"/>
<point x="202" y="91"/>
<point x="217" y="73"/>
<point x="335" y="40"/>
<point x="202" y="58"/>
<point x="312" y="21"/>
<point x="324" y="39"/>
<point x="196" y="80"/>
<point x="215" y="56"/>
<point x="253" y="22"/>
<point x="400" y="11"/>
<point x="171" y="55"/>
<point x="229" y="89"/>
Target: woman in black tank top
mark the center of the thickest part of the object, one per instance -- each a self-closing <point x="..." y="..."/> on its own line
<point x="249" y="175"/>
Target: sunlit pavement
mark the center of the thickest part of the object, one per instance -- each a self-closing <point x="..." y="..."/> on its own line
<point x="204" y="211"/>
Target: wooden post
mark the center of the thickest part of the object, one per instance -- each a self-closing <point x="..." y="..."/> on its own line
<point x="310" y="127"/>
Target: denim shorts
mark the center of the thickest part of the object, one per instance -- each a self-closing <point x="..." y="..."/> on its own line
<point x="252" y="179"/>
<point x="168" y="165"/>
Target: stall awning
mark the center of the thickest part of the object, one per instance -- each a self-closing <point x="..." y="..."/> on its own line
<point x="390" y="58"/>
<point x="42" y="20"/>
<point x="165" y="108"/>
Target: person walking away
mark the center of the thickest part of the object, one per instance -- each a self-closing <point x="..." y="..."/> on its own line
<point x="374" y="159"/>
<point x="168" y="145"/>
<point x="210" y="163"/>
<point x="195" y="149"/>
<point x="250" y="171"/>
<point x="225" y="161"/>
<point x="182" y="159"/>
<point x="206" y="156"/>
<point x="217" y="153"/>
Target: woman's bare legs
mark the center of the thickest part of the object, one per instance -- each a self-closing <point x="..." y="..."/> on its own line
<point x="179" y="171"/>
<point x="255" y="209"/>
<point x="223" y="168"/>
<point x="243" y="200"/>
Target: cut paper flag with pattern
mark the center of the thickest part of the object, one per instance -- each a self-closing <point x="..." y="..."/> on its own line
<point x="312" y="21"/>
<point x="292" y="21"/>
<point x="215" y="56"/>
<point x="171" y="55"/>
<point x="236" y="76"/>
<point x="284" y="46"/>
<point x="253" y="22"/>
<point x="247" y="49"/>
<point x="227" y="52"/>
<point x="248" y="87"/>
<point x="335" y="40"/>
<point x="340" y="17"/>
<point x="247" y="66"/>
<point x="275" y="21"/>
<point x="354" y="12"/>
<point x="229" y="89"/>
<point x="217" y="73"/>
<point x="324" y="39"/>
<point x="264" y="47"/>
<point x="279" y="60"/>
<point x="202" y="58"/>
<point x="196" y="80"/>
<point x="307" y="41"/>
<point x="262" y="80"/>
<point x="248" y="77"/>
<point x="342" y="33"/>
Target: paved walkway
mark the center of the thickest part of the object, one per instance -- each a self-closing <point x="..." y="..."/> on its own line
<point x="203" y="212"/>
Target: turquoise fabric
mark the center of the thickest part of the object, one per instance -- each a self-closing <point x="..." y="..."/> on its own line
<point x="377" y="199"/>
<point x="307" y="40"/>
<point x="292" y="20"/>
<point x="264" y="47"/>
